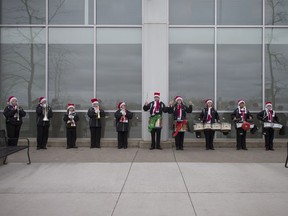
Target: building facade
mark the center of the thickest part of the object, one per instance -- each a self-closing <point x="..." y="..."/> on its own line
<point x="124" y="50"/>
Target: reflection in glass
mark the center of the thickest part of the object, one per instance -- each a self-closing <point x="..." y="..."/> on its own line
<point x="276" y="12"/>
<point x="191" y="12"/>
<point x="22" y="12"/>
<point x="22" y="65"/>
<point x="276" y="67"/>
<point x="119" y="68"/>
<point x="70" y="68"/>
<point x="239" y="69"/>
<point x="71" y="12"/>
<point x="191" y="65"/>
<point x="239" y="12"/>
<point x="119" y="12"/>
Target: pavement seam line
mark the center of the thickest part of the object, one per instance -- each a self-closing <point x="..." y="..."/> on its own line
<point x="184" y="183"/>
<point x="124" y="182"/>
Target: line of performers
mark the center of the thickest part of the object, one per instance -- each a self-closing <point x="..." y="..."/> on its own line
<point x="209" y="118"/>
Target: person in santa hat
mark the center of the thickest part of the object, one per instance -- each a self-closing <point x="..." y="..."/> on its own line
<point x="13" y="114"/>
<point x="43" y="115"/>
<point x="95" y="113"/>
<point x="71" y="117"/>
<point x="156" y="108"/>
<point x="268" y="115"/>
<point x="179" y="111"/>
<point x="241" y="115"/>
<point x="122" y="116"/>
<point x="209" y="115"/>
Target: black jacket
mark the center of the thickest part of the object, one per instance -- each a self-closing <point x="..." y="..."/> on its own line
<point x="185" y="109"/>
<point x="94" y="121"/>
<point x="122" y="126"/>
<point x="150" y="106"/>
<point x="40" y="115"/>
<point x="11" y="115"/>
<point x="204" y="114"/>
<point x="66" y="118"/>
<point x="262" y="116"/>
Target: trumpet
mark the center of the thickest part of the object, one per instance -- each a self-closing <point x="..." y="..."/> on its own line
<point x="18" y="112"/>
<point x="97" y="112"/>
<point x="72" y="122"/>
<point x="45" y="113"/>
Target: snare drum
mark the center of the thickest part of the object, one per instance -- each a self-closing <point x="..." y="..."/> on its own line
<point x="207" y="126"/>
<point x="216" y="126"/>
<point x="198" y="127"/>
<point x="277" y="126"/>
<point x="239" y="125"/>
<point x="183" y="128"/>
<point x="225" y="126"/>
<point x="268" y="125"/>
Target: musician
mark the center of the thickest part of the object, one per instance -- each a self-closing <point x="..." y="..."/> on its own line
<point x="95" y="113"/>
<point x="13" y="114"/>
<point x="241" y="115"/>
<point x="156" y="108"/>
<point x="43" y="115"/>
<point x="71" y="117"/>
<point x="209" y="116"/>
<point x="179" y="111"/>
<point x="122" y="116"/>
<point x="268" y="115"/>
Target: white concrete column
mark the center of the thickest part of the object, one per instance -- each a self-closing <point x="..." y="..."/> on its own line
<point x="155" y="75"/>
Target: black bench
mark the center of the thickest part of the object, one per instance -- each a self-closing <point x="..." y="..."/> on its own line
<point x="6" y="150"/>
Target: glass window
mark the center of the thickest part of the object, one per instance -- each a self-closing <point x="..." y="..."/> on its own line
<point x="119" y="67"/>
<point x="70" y="67"/>
<point x="191" y="64"/>
<point x="119" y="12"/>
<point x="71" y="12"/>
<point x="239" y="12"/>
<point x="191" y="12"/>
<point x="22" y="12"/>
<point x="22" y="64"/>
<point x="239" y="68"/>
<point x="276" y="12"/>
<point x="276" y="68"/>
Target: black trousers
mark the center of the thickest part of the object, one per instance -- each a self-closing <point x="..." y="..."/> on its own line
<point x="269" y="137"/>
<point x="13" y="132"/>
<point x="122" y="139"/>
<point x="155" y="137"/>
<point x="42" y="136"/>
<point x="179" y="140"/>
<point x="209" y="137"/>
<point x="71" y="137"/>
<point x="95" y="137"/>
<point x="240" y="138"/>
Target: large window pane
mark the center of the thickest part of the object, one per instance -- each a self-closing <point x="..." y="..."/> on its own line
<point x="70" y="67"/>
<point x="119" y="67"/>
<point x="22" y="12"/>
<point x="239" y="68"/>
<point x="276" y="12"/>
<point x="239" y="12"/>
<point x="191" y="64"/>
<point x="125" y="12"/>
<point x="191" y="12"/>
<point x="276" y="68"/>
<point x="22" y="64"/>
<point x="71" y="12"/>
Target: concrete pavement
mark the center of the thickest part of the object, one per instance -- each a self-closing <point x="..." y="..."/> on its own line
<point x="140" y="182"/>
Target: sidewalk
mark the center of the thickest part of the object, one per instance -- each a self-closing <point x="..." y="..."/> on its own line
<point x="136" y="182"/>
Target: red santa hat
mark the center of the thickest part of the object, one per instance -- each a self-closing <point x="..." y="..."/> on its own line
<point x="208" y="101"/>
<point x="70" y="105"/>
<point x="157" y="94"/>
<point x="42" y="99"/>
<point x="268" y="103"/>
<point x="11" y="98"/>
<point x="94" y="101"/>
<point x="241" y="101"/>
<point x="178" y="98"/>
<point x="121" y="104"/>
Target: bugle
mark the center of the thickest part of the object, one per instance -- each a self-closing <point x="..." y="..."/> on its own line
<point x="45" y="113"/>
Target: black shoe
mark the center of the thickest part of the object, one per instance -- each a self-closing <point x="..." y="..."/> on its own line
<point x="125" y="147"/>
<point x="43" y="148"/>
<point x="267" y="149"/>
<point x="159" y="147"/>
<point x="245" y="149"/>
<point x="238" y="148"/>
<point x="212" y="148"/>
<point x="272" y="149"/>
<point x="177" y="148"/>
<point x="152" y="148"/>
<point x="75" y="147"/>
<point x="181" y="148"/>
<point x="68" y="147"/>
<point x="38" y="148"/>
<point x="207" y="148"/>
<point x="119" y="147"/>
